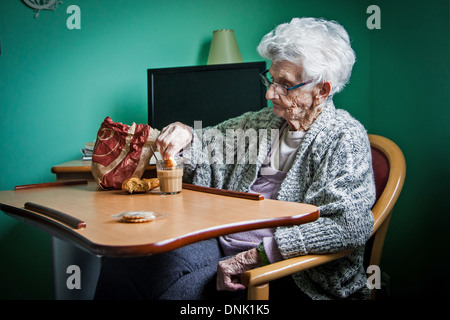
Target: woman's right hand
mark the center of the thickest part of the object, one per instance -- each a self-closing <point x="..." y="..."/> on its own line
<point x="172" y="139"/>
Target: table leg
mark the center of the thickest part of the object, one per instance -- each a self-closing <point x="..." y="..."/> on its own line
<point x="75" y="271"/>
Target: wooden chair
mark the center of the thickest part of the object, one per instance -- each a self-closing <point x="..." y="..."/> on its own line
<point x="390" y="170"/>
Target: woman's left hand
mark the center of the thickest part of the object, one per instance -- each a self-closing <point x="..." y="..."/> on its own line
<point x="230" y="270"/>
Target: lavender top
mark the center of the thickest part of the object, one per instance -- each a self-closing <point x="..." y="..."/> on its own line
<point x="268" y="184"/>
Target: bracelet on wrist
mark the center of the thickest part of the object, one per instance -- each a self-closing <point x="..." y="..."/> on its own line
<point x="263" y="254"/>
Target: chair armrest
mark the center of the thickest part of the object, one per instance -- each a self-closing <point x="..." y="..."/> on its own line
<point x="263" y="275"/>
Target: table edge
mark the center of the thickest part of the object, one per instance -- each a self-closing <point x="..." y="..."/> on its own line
<point x="84" y="166"/>
<point x="67" y="233"/>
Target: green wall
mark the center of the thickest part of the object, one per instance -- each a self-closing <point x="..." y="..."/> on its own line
<point x="57" y="85"/>
<point x="410" y="104"/>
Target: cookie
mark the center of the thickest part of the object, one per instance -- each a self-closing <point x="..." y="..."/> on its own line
<point x="136" y="217"/>
<point x="136" y="185"/>
<point x="170" y="163"/>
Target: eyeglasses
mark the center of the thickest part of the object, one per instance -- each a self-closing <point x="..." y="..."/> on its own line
<point x="280" y="88"/>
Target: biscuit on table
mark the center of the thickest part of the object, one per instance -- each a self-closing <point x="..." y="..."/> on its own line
<point x="135" y="217"/>
<point x="136" y="185"/>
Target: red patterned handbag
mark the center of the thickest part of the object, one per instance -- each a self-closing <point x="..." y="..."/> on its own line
<point x="121" y="152"/>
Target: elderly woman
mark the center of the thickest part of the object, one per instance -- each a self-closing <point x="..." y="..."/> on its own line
<point x="321" y="156"/>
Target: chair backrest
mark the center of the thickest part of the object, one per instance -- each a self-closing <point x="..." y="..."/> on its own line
<point x="380" y="164"/>
<point x="389" y="168"/>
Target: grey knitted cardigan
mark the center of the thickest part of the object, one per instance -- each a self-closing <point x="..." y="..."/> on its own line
<point x="332" y="170"/>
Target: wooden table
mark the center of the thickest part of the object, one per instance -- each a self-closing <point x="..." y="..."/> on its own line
<point x="83" y="247"/>
<point x="191" y="216"/>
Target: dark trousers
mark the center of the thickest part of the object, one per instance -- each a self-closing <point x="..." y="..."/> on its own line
<point x="188" y="273"/>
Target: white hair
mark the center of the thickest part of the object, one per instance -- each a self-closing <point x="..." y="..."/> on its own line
<point x="321" y="47"/>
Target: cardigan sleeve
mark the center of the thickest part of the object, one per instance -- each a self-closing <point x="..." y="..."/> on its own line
<point x="217" y="159"/>
<point x="343" y="188"/>
<point x="205" y="158"/>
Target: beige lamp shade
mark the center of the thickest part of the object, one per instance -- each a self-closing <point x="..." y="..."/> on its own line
<point x="224" y="48"/>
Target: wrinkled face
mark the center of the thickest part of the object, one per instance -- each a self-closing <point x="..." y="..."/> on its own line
<point x="299" y="106"/>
